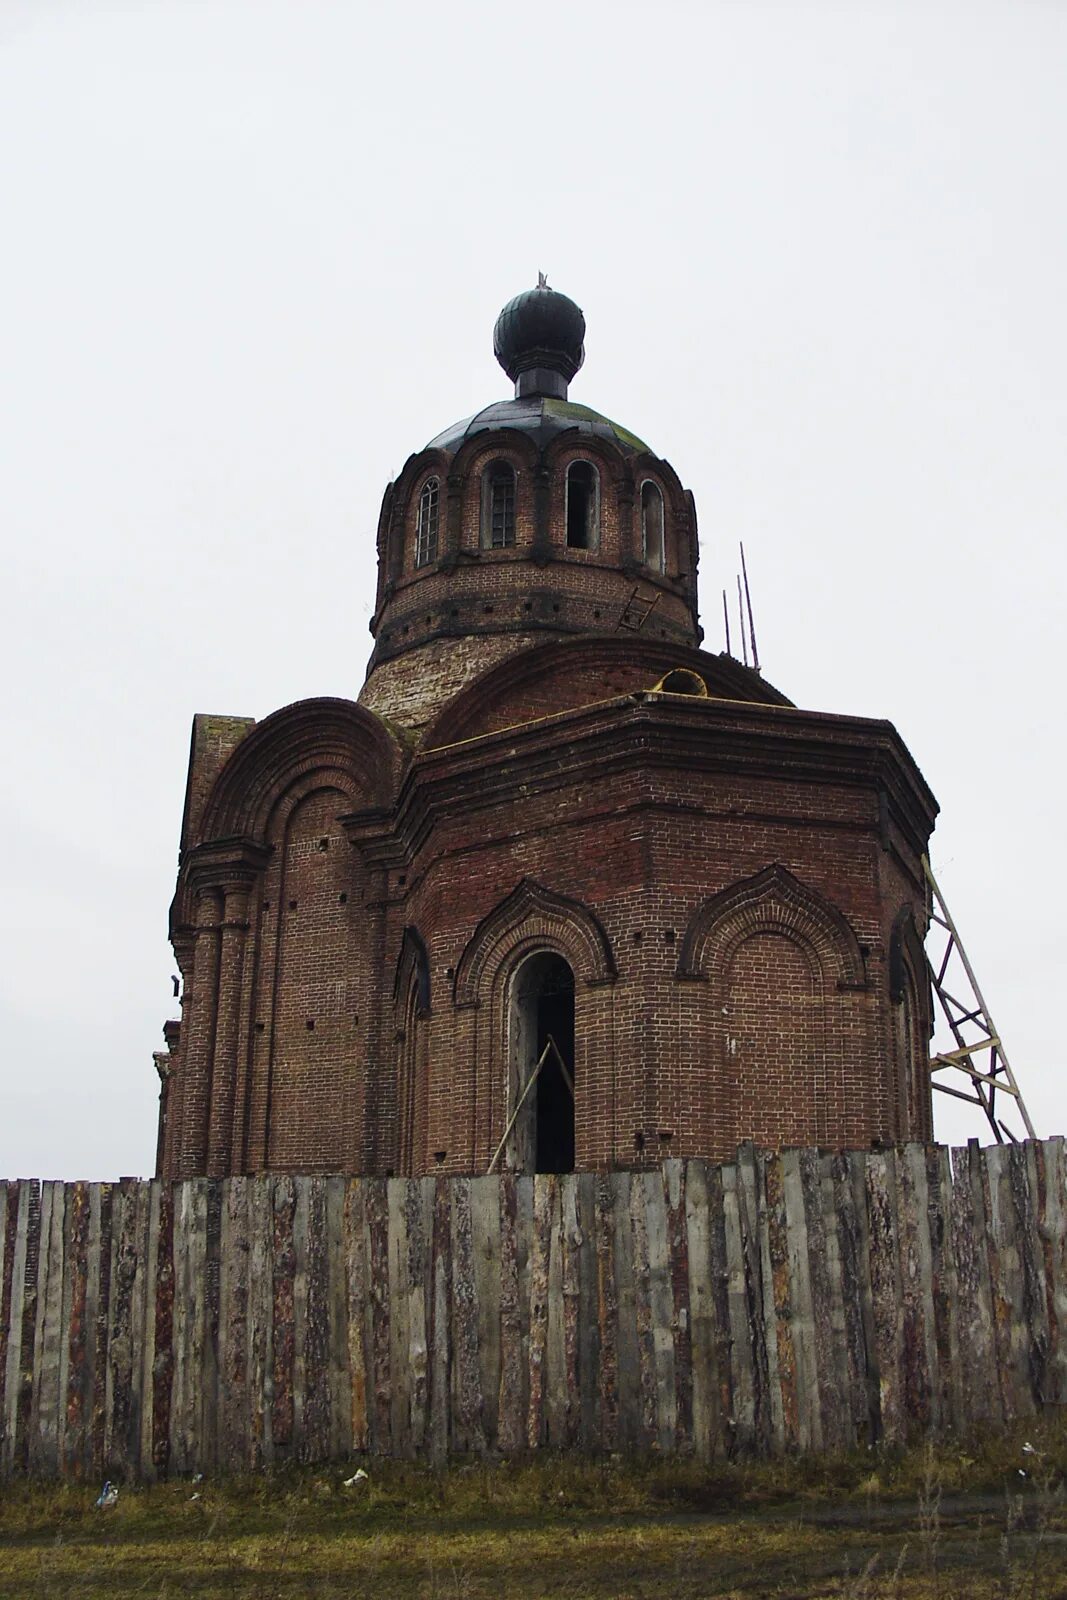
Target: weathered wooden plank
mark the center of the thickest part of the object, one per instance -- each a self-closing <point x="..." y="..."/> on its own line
<point x="768" y="1415"/>
<point x="810" y="1293"/>
<point x="400" y="1290"/>
<point x="706" y="1421"/>
<point x="283" y="1318"/>
<point x="553" y="1376"/>
<point x="196" y="1261"/>
<point x="409" y="1354"/>
<point x="100" y="1296"/>
<point x="48" y="1335"/>
<point x="646" y="1436"/>
<point x="723" y="1430"/>
<point x="979" y="1393"/>
<point x="540" y="1253"/>
<point x="439" y="1342"/>
<point x="918" y="1349"/>
<point x="163" y="1360"/>
<point x="742" y="1356"/>
<point x="316" y="1327"/>
<point x="674" y="1189"/>
<point x="259" y="1357"/>
<point x="233" y="1326"/>
<point x="207" y="1453"/>
<point x="180" y="1312"/>
<point x="121" y="1333"/>
<point x="301" y="1225"/>
<point x="140" y="1378"/>
<point x="1022" y="1176"/>
<point x="485" y="1238"/>
<point x="947" y="1408"/>
<point x="798" y="1372"/>
<point x="605" y="1226"/>
<point x="628" y="1364"/>
<point x="855" y="1240"/>
<point x="8" y="1218"/>
<point x="16" y="1400"/>
<point x="146" y="1364"/>
<point x="779" y="1311"/>
<point x="1051" y="1177"/>
<point x="468" y="1425"/>
<point x="360" y="1358"/>
<point x="570" y="1244"/>
<point x="65" y="1315"/>
<point x="883" y="1250"/>
<point x="827" y="1311"/>
<point x="555" y="1373"/>
<point x="846" y="1235"/>
<point x="510" y="1410"/>
<point x="589" y="1431"/>
<point x="376" y="1255"/>
<point x="1007" y="1283"/>
<point x="831" y="1337"/>
<point x="75" y="1379"/>
<point x="30" y="1354"/>
<point x="661" y="1311"/>
<point x="339" y="1383"/>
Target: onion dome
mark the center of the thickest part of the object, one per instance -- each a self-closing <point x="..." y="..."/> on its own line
<point x="538" y="340"/>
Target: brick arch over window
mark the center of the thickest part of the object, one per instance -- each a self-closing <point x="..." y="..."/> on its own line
<point x="309" y="737"/>
<point x="533" y="915"/>
<point x="772" y="902"/>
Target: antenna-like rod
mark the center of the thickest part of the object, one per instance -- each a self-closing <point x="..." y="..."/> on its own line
<point x="748" y="600"/>
<point x="741" y="615"/>
<point x="726" y="620"/>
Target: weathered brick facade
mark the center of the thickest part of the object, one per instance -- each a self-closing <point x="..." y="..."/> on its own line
<point x="369" y="891"/>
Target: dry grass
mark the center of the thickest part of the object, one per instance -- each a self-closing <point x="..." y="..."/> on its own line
<point x="961" y="1524"/>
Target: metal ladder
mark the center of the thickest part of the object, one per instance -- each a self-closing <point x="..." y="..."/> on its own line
<point x="636" y="611"/>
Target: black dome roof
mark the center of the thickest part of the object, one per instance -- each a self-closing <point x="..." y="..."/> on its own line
<point x="540" y="328"/>
<point x="542" y="416"/>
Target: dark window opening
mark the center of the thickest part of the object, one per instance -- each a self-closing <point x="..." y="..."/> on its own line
<point x="652" y="541"/>
<point x="543" y="1009"/>
<point x="583" y="506"/>
<point x="498" y="506"/>
<point x="426" y="527"/>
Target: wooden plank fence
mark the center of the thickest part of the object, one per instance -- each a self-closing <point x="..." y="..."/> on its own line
<point x="788" y="1301"/>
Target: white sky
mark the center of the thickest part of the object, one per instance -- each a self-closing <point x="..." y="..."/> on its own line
<point x="252" y="255"/>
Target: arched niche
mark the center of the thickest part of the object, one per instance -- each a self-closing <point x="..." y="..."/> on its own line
<point x="541" y="1064"/>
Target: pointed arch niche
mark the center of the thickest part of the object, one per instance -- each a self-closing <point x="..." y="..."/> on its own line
<point x="411" y="1004"/>
<point x="510" y="980"/>
<point x="786" y="975"/>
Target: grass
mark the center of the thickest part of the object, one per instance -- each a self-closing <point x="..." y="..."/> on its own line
<point x="960" y="1523"/>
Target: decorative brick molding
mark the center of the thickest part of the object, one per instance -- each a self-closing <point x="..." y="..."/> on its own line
<point x="773" y="901"/>
<point x="535" y="917"/>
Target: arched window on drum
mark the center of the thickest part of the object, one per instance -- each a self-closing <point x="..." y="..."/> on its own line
<point x="653" y="542"/>
<point x="426" y="524"/>
<point x="583" y="506"/>
<point x="498" y="506"/>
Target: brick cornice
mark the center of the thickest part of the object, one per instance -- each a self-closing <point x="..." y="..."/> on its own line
<point x="645" y="733"/>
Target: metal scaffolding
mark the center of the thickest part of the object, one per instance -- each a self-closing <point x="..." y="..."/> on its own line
<point x="967" y="1015"/>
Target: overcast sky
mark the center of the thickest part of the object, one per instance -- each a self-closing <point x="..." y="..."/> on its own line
<point x="252" y="255"/>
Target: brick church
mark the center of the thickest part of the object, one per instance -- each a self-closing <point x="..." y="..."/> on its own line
<point x="559" y="889"/>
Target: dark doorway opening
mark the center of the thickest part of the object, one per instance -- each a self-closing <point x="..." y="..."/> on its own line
<point x="544" y="1009"/>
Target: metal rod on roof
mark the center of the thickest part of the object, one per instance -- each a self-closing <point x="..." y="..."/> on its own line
<point x="741" y="616"/>
<point x="726" y="620"/>
<point x="748" y="599"/>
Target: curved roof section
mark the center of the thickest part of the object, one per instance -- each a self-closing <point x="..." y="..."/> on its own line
<point x="543" y="417"/>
